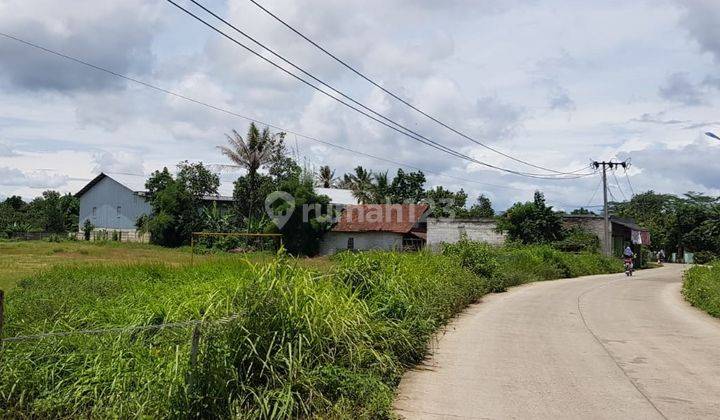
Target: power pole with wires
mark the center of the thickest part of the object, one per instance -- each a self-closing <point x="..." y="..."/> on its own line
<point x="607" y="246"/>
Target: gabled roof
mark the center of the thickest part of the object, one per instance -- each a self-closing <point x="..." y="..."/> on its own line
<point x="396" y="218"/>
<point x="337" y="195"/>
<point x="136" y="184"/>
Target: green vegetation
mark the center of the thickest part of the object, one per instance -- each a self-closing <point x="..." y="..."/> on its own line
<point x="677" y="224"/>
<point x="304" y="343"/>
<point x="515" y="264"/>
<point x="51" y="212"/>
<point x="701" y="287"/>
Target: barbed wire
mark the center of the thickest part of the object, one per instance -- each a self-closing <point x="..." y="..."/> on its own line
<point x="194" y="322"/>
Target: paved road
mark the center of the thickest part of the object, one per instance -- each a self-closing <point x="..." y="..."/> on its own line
<point x="600" y="347"/>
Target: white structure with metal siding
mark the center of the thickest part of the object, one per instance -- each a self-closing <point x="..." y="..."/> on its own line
<point x="111" y="205"/>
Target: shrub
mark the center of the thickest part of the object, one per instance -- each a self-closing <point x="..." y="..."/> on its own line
<point x="701" y="287"/>
<point x="704" y="257"/>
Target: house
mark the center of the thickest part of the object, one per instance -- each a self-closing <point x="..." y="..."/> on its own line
<point x="623" y="232"/>
<point x="114" y="201"/>
<point x="338" y="197"/>
<point x="377" y="227"/>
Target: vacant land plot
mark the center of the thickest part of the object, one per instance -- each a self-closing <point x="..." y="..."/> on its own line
<point x="19" y="260"/>
<point x="268" y="337"/>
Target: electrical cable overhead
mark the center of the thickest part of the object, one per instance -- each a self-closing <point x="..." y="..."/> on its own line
<point x="235" y="114"/>
<point x="617" y="185"/>
<point x="632" y="190"/>
<point x="592" y="197"/>
<point x="397" y="97"/>
<point x="390" y="123"/>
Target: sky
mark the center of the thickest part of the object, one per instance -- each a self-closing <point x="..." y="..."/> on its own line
<point x="557" y="83"/>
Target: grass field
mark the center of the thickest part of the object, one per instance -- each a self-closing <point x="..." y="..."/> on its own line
<point x="280" y="337"/>
<point x="21" y="259"/>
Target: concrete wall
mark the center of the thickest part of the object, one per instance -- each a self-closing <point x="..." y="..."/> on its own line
<point x="450" y="231"/>
<point x="593" y="224"/>
<point x="333" y="242"/>
<point x="115" y="206"/>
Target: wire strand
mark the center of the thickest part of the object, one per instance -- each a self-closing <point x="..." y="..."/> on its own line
<point x="247" y="118"/>
<point x="402" y="130"/>
<point x="397" y="97"/>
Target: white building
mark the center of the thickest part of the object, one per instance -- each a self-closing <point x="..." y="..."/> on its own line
<point x="377" y="227"/>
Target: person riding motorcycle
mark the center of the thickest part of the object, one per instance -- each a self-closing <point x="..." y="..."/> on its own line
<point x="628" y="255"/>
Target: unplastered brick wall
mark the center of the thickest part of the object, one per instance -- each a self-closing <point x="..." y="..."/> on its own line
<point x="451" y="230"/>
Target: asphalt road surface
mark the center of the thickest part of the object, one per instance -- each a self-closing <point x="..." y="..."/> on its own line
<point x="599" y="347"/>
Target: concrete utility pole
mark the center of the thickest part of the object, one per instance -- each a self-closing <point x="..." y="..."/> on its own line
<point x="607" y="246"/>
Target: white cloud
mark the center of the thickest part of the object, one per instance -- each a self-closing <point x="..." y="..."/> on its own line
<point x="507" y="73"/>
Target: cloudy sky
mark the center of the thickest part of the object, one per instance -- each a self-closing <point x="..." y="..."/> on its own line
<point x="553" y="82"/>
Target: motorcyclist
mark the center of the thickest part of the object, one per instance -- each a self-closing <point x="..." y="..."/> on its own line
<point x="628" y="254"/>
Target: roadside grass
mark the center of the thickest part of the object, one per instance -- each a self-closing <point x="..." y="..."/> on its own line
<point x="310" y="338"/>
<point x="701" y="287"/>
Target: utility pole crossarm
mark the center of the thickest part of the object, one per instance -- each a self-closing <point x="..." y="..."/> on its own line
<point x="607" y="246"/>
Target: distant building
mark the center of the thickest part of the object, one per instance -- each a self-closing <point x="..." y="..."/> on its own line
<point x="623" y="232"/>
<point x="377" y="227"/>
<point x="113" y="202"/>
<point x="338" y="196"/>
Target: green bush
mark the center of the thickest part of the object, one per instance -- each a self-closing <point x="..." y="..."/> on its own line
<point x="704" y="257"/>
<point x="701" y="287"/>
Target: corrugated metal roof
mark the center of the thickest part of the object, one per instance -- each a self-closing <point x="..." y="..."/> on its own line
<point x="338" y="195"/>
<point x="136" y="183"/>
<point x="397" y="218"/>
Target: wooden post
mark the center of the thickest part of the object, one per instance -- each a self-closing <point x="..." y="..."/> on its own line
<point x="192" y="249"/>
<point x="2" y="312"/>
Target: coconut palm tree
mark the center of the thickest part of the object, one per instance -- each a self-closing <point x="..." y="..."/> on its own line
<point x="252" y="152"/>
<point x="361" y="184"/>
<point x="326" y="177"/>
<point x="380" y="187"/>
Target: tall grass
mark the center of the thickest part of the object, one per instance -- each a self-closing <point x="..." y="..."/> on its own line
<point x="302" y="344"/>
<point x="701" y="287"/>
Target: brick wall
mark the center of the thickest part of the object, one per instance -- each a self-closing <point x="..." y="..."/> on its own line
<point x="450" y="231"/>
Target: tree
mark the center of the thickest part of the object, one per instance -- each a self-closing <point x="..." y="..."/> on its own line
<point x="177" y="203"/>
<point x="380" y="187"/>
<point x="302" y="237"/>
<point x="531" y="222"/>
<point x="326" y="177"/>
<point x="407" y="187"/>
<point x="360" y="182"/>
<point x="482" y="209"/>
<point x="581" y="211"/>
<point x="446" y="203"/>
<point x="253" y="152"/>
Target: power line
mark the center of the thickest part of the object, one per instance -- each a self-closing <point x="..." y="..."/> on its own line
<point x="235" y="114"/>
<point x="632" y="190"/>
<point x="592" y="197"/>
<point x="404" y="101"/>
<point x="402" y="130"/>
<point x="617" y="185"/>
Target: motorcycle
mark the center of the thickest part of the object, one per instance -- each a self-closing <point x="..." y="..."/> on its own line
<point x="629" y="266"/>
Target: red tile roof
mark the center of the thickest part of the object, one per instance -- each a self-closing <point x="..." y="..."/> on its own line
<point x="397" y="218"/>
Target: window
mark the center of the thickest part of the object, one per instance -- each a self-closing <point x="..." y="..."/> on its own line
<point x="351" y="243"/>
<point x="118" y="211"/>
<point x="94" y="213"/>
